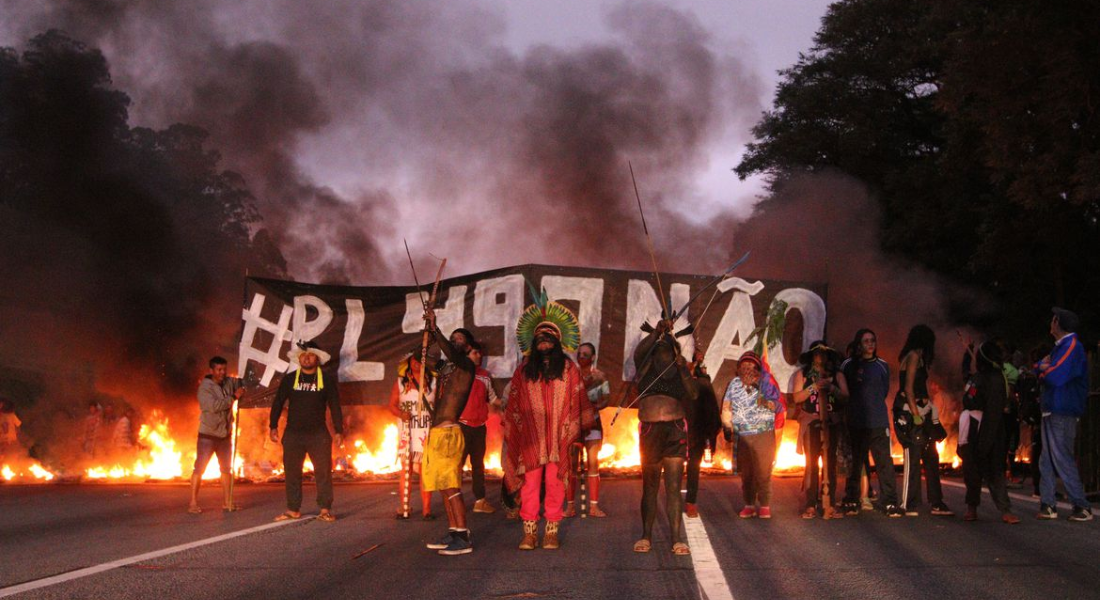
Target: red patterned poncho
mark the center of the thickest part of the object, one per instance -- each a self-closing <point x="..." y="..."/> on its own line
<point x="541" y="420"/>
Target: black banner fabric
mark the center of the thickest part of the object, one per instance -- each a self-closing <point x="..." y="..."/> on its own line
<point x="369" y="330"/>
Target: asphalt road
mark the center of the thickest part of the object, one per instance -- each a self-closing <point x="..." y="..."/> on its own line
<point x="56" y="529"/>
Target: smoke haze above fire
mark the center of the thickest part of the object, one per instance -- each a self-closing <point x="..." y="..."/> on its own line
<point x="355" y="124"/>
<point x="359" y="123"/>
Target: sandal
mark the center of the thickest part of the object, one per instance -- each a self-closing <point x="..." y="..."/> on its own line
<point x="229" y="509"/>
<point x="680" y="549"/>
<point x="327" y="517"/>
<point x="643" y="545"/>
<point x="194" y="510"/>
<point x="288" y="516"/>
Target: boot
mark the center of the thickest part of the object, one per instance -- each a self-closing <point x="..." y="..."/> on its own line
<point x="530" y="535"/>
<point x="550" y="538"/>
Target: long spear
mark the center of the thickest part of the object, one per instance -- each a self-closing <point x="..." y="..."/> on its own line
<point x="423" y="372"/>
<point x="649" y="243"/>
<point x="676" y="315"/>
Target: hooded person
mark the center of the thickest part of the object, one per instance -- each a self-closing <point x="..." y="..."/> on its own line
<point x="306" y="393"/>
<point x="546" y="413"/>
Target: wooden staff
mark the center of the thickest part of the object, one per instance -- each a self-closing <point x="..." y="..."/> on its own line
<point x="430" y="303"/>
<point x="827" y="511"/>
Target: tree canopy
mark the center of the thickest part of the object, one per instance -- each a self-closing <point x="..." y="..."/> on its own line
<point x="974" y="124"/>
<point x="130" y="239"/>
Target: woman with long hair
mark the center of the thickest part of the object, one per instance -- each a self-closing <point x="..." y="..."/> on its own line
<point x="917" y="423"/>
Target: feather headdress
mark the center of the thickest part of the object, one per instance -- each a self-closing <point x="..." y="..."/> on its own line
<point x="545" y="313"/>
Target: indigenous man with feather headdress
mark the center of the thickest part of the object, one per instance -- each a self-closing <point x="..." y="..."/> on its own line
<point x="547" y="412"/>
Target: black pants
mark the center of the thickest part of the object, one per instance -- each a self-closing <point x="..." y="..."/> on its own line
<point x="812" y="477"/>
<point x="756" y="453"/>
<point x="877" y="442"/>
<point x="988" y="468"/>
<point x="914" y="458"/>
<point x="475" y="449"/>
<point x="696" y="449"/>
<point x="319" y="448"/>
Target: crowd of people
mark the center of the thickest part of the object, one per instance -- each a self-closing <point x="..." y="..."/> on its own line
<point x="552" y="430"/>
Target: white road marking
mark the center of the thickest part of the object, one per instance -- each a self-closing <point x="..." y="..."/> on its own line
<point x="712" y="582"/>
<point x="122" y="562"/>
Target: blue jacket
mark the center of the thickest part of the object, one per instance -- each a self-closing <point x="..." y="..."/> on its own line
<point x="1066" y="380"/>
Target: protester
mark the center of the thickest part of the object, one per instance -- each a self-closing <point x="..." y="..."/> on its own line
<point x="704" y="422"/>
<point x="819" y="381"/>
<point x="917" y="424"/>
<point x="414" y="426"/>
<point x="750" y="407"/>
<point x="306" y="393"/>
<point x="599" y="393"/>
<point x="983" y="442"/>
<point x="216" y="394"/>
<point x="1029" y="390"/>
<point x="123" y="438"/>
<point x="547" y="412"/>
<point x="474" y="430"/>
<point x="666" y="388"/>
<point x="443" y="452"/>
<point x="92" y="422"/>
<point x="868" y="379"/>
<point x="1064" y="377"/>
<point x="9" y="428"/>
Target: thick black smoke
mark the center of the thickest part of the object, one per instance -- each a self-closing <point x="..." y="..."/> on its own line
<point x="435" y="131"/>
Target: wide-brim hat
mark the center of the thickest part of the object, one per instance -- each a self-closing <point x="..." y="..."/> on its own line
<point x="807" y="357"/>
<point x="299" y="348"/>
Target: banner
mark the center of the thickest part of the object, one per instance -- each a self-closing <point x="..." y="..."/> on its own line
<point x="369" y="330"/>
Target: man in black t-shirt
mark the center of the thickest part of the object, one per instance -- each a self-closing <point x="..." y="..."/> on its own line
<point x="309" y="392"/>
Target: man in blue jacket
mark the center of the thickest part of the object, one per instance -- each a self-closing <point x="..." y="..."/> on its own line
<point x="1064" y="377"/>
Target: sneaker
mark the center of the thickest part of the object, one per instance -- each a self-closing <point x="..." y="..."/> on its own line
<point x="1081" y="514"/>
<point x="443" y="542"/>
<point x="809" y="513"/>
<point x="766" y="512"/>
<point x="457" y="546"/>
<point x="894" y="512"/>
<point x="690" y="510"/>
<point x="850" y="509"/>
<point x="1046" y="512"/>
<point x="941" y="510"/>
<point x="483" y="506"/>
<point x="1010" y="518"/>
<point x="866" y="504"/>
<point x="971" y="514"/>
<point x="911" y="512"/>
<point x="748" y="512"/>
